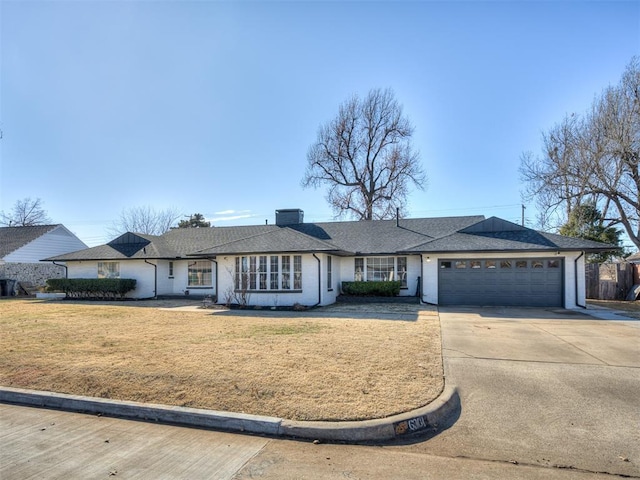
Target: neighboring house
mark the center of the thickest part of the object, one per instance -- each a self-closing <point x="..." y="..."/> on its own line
<point x="22" y="248"/>
<point x="634" y="259"/>
<point x="446" y="261"/>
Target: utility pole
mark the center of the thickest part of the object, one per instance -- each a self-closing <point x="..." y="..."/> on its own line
<point x="523" y="209"/>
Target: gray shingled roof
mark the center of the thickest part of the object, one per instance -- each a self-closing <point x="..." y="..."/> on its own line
<point x="382" y="237"/>
<point x="497" y="235"/>
<point x="280" y="239"/>
<point x="190" y="240"/>
<point x="13" y="238"/>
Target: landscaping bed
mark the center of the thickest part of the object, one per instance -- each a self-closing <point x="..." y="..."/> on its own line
<point x="296" y="365"/>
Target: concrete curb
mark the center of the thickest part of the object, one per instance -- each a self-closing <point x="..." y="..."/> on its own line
<point x="427" y="417"/>
<point x="424" y="418"/>
<point x="193" y="417"/>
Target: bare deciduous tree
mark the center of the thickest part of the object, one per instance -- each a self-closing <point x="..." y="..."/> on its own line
<point x="145" y="219"/>
<point x="593" y="158"/>
<point x="365" y="158"/>
<point x="26" y="213"/>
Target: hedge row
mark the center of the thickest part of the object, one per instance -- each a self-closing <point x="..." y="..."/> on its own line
<point x="374" y="289"/>
<point x="97" y="288"/>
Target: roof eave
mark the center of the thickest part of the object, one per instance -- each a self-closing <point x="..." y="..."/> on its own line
<point x="510" y="250"/>
<point x="269" y="252"/>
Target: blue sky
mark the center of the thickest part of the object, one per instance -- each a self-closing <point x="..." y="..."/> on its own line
<point x="211" y="107"/>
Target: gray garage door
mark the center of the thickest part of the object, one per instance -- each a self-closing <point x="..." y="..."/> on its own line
<point x="534" y="282"/>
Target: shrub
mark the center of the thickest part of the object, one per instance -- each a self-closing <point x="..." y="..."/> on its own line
<point x="372" y="289"/>
<point x="95" y="288"/>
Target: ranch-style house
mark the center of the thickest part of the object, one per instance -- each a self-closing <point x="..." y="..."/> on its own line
<point x="470" y="260"/>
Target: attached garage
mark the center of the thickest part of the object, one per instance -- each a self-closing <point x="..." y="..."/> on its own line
<point x="531" y="282"/>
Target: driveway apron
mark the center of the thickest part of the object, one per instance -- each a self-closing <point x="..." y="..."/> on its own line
<point x="540" y="387"/>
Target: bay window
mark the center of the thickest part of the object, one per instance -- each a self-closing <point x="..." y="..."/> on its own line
<point x="268" y="273"/>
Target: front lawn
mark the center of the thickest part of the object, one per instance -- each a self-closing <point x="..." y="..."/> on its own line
<point x="304" y="366"/>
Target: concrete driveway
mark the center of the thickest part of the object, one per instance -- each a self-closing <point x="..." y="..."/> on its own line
<point x="542" y="387"/>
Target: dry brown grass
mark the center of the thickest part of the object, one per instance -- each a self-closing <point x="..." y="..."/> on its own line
<point x="304" y="366"/>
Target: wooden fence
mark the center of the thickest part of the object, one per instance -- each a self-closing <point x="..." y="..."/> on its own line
<point x="608" y="281"/>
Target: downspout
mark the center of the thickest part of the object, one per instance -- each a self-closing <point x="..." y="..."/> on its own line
<point x="421" y="278"/>
<point x="576" y="279"/>
<point x="319" y="281"/>
<point x="155" y="278"/>
<point x="66" y="269"/>
<point x="216" y="262"/>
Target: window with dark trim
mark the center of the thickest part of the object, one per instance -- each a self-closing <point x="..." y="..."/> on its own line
<point x="170" y="269"/>
<point x="329" y="274"/>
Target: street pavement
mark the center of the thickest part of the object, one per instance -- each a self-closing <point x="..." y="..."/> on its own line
<point x="544" y="394"/>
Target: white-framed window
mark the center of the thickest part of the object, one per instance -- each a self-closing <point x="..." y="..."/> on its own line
<point x="170" y="269"/>
<point x="108" y="269"/>
<point x="252" y="273"/>
<point x="274" y="283"/>
<point x="286" y="272"/>
<point x="383" y="269"/>
<point x="297" y="272"/>
<point x="268" y="273"/>
<point x="262" y="272"/>
<point x="401" y="271"/>
<point x="199" y="273"/>
<point x="359" y="275"/>
<point x="329" y="274"/>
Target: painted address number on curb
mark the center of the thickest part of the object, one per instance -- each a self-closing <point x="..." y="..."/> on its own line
<point x="410" y="426"/>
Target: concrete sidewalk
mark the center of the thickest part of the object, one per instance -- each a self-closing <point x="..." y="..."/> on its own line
<point x="40" y="443"/>
<point x="604" y="313"/>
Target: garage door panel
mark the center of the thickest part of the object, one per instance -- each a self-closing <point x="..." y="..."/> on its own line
<point x="509" y="282"/>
